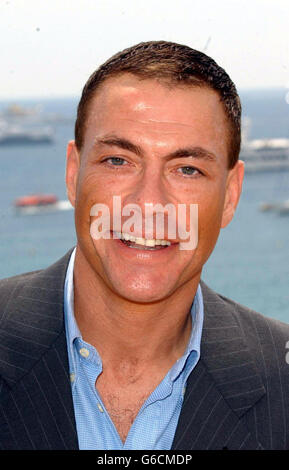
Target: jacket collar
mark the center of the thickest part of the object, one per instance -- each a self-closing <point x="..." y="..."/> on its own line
<point x="226" y="354"/>
<point x="223" y="386"/>
<point x="32" y="320"/>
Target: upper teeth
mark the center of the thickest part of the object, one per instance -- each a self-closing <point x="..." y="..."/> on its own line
<point x="141" y="241"/>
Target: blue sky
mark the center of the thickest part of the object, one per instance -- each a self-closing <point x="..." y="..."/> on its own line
<point x="49" y="48"/>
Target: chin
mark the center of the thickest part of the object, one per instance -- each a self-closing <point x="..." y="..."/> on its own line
<point x="141" y="290"/>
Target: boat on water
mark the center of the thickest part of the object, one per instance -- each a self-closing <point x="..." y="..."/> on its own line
<point x="35" y="200"/>
<point x="18" y="114"/>
<point x="267" y="154"/>
<point x="19" y="135"/>
<point x="33" y="204"/>
<point x="281" y="208"/>
<point x="16" y="110"/>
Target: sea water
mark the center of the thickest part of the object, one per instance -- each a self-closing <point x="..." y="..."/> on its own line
<point x="250" y="263"/>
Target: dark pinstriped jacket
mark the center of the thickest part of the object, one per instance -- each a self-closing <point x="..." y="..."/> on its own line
<point x="237" y="397"/>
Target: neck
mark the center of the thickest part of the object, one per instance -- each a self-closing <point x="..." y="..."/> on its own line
<point x="121" y="330"/>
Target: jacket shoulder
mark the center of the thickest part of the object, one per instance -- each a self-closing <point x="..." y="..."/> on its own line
<point x="242" y="313"/>
<point x="10" y="286"/>
<point x="31" y="317"/>
<point x="51" y="277"/>
<point x="245" y="315"/>
<point x="267" y="338"/>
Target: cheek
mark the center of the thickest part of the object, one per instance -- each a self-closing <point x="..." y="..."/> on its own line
<point x="210" y="211"/>
<point x="90" y="190"/>
<point x="86" y="196"/>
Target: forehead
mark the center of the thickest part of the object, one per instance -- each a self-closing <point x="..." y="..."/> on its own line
<point x="128" y="104"/>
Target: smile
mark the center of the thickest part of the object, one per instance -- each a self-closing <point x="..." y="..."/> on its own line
<point x="142" y="243"/>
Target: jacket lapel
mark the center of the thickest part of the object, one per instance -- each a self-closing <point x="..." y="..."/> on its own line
<point x="222" y="387"/>
<point x="36" y="397"/>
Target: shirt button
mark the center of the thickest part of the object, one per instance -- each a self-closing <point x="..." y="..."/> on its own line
<point x="72" y="377"/>
<point x="84" y="352"/>
<point x="100" y="407"/>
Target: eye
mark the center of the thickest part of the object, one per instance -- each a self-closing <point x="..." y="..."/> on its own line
<point x="115" y="161"/>
<point x="189" y="171"/>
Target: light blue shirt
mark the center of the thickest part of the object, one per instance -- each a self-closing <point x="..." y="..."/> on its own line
<point x="155" y="424"/>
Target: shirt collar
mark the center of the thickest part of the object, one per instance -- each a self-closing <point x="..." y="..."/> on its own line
<point x="73" y="332"/>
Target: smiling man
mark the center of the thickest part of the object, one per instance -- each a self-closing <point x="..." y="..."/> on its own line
<point x="120" y="345"/>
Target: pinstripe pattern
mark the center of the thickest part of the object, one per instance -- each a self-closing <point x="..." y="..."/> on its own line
<point x="36" y="408"/>
<point x="237" y="397"/>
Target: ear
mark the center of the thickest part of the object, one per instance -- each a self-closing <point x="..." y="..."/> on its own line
<point x="233" y="192"/>
<point x="72" y="169"/>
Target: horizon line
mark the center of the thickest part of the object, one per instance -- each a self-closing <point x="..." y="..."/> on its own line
<point x="77" y="96"/>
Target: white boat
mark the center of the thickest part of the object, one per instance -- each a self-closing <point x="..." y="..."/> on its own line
<point x="12" y="134"/>
<point x="281" y="208"/>
<point x="263" y="154"/>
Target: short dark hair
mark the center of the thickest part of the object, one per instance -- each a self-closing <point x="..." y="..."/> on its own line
<point x="174" y="65"/>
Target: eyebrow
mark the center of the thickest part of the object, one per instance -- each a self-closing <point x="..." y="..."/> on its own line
<point x="124" y="144"/>
<point x="186" y="152"/>
<point x="194" y="152"/>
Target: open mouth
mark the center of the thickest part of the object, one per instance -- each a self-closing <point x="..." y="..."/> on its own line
<point x="142" y="243"/>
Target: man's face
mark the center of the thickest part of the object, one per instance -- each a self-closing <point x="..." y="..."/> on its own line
<point x="149" y="143"/>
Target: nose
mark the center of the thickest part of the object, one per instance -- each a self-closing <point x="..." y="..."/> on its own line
<point x="149" y="189"/>
<point x="151" y="200"/>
